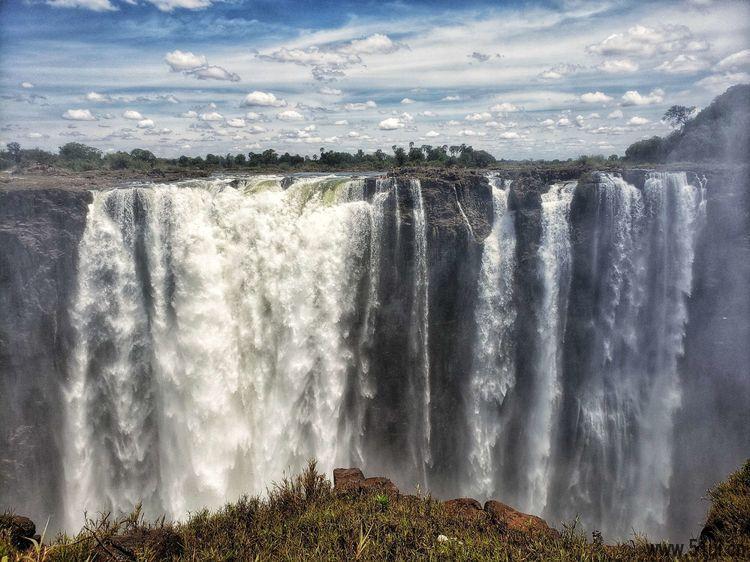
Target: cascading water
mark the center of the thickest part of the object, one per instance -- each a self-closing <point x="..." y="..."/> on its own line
<point x="224" y="335"/>
<point x="212" y="341"/>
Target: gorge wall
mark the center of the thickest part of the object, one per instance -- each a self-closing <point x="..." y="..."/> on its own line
<point x="570" y="348"/>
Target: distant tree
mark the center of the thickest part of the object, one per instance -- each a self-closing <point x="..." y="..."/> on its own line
<point x="613" y="158"/>
<point x="142" y="155"/>
<point x="399" y="154"/>
<point x="240" y="160"/>
<point x="678" y="115"/>
<point x="78" y="151"/>
<point x="14" y="151"/>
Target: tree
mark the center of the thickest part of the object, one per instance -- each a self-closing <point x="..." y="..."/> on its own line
<point x="678" y="115"/>
<point x="14" y="151"/>
<point x="400" y="154"/>
<point x="77" y="151"/>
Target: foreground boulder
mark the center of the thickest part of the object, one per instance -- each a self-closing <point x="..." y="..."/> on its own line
<point x="20" y="530"/>
<point x="352" y="480"/>
<point x="514" y="520"/>
<point x="465" y="508"/>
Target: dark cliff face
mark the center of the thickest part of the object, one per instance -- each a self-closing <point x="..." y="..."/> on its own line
<point x="713" y="421"/>
<point x="39" y="235"/>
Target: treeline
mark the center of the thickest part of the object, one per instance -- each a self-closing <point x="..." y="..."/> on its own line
<point x="719" y="133"/>
<point x="80" y="157"/>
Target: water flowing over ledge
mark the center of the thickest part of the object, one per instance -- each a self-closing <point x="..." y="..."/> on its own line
<point x="488" y="337"/>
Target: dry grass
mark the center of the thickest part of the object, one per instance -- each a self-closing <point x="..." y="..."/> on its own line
<point x="303" y="518"/>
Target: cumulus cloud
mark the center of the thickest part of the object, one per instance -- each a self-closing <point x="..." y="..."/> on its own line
<point x="330" y="61"/>
<point x="237" y="122"/>
<point x="632" y="97"/>
<point x="253" y="116"/>
<point x="179" y="61"/>
<point x="484" y="116"/>
<point x="360" y="106"/>
<point x="451" y="98"/>
<point x="213" y="72"/>
<point x="328" y="91"/>
<point x="595" y="97"/>
<point x="504" y="107"/>
<point x="407" y="101"/>
<point x="146" y="124"/>
<point x="93" y="5"/>
<point x="636" y="120"/>
<point x="471" y="133"/>
<point x="618" y="66"/>
<point x="683" y="64"/>
<point x="197" y="66"/>
<point x="735" y="61"/>
<point x="510" y="135"/>
<point x="641" y="40"/>
<point x="263" y="99"/>
<point x="132" y="115"/>
<point x="190" y="114"/>
<point x="290" y="115"/>
<point x="171" y="5"/>
<point x="26" y="85"/>
<point x="616" y="114"/>
<point x="78" y="115"/>
<point x="391" y="124"/>
<point x="341" y="122"/>
<point x="211" y="116"/>
<point x="432" y="134"/>
<point x="96" y="97"/>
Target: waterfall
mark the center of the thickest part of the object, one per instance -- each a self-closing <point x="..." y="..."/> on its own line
<point x="492" y="369"/>
<point x="225" y="331"/>
<point x="212" y="341"/>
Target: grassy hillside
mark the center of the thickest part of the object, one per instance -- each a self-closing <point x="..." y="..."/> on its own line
<point x="307" y="518"/>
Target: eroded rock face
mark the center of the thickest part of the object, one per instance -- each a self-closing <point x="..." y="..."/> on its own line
<point x="39" y="234"/>
<point x="352" y="480"/>
<point x="20" y="530"/>
<point x="465" y="508"/>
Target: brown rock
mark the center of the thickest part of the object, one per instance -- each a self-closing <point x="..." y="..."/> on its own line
<point x="346" y="478"/>
<point x="379" y="484"/>
<point x="465" y="508"/>
<point x="515" y="520"/>
<point x="153" y="544"/>
<point x="20" y="529"/>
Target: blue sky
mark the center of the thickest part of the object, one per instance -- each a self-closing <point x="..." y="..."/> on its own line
<point x="524" y="79"/>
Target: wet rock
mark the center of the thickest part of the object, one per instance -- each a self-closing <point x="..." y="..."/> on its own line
<point x="20" y="530"/>
<point x="514" y="520"/>
<point x="347" y="478"/>
<point x="352" y="480"/>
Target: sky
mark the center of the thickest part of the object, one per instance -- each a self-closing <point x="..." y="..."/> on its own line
<point x="521" y="79"/>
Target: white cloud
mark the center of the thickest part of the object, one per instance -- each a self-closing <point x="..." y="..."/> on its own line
<point x="735" y="61"/>
<point x="484" y="116"/>
<point x="237" y="122"/>
<point x="510" y="135"/>
<point x="390" y="124"/>
<point x="632" y="97"/>
<point x="374" y="44"/>
<point x="718" y="83"/>
<point x="326" y="91"/>
<point x="616" y="114"/>
<point x="97" y="97"/>
<point x="547" y="123"/>
<point x="504" y="107"/>
<point x="595" y="97"/>
<point x="146" y="124"/>
<point x="645" y="41"/>
<point x="263" y="99"/>
<point x="213" y="72"/>
<point x="638" y="120"/>
<point x="618" y="66"/>
<point x="179" y="61"/>
<point x="560" y="71"/>
<point x="683" y="64"/>
<point x="427" y="113"/>
<point x="290" y="115"/>
<point x="211" y="116"/>
<point x="171" y="5"/>
<point x="431" y="134"/>
<point x="451" y="98"/>
<point x="256" y="130"/>
<point x="341" y="122"/>
<point x="360" y="106"/>
<point x="471" y="133"/>
<point x="352" y="134"/>
<point x="132" y="115"/>
<point x="190" y="114"/>
<point x="563" y="122"/>
<point x="27" y="85"/>
<point x="94" y="5"/>
<point x="253" y="116"/>
<point x="78" y="115"/>
<point x="407" y="101"/>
